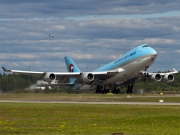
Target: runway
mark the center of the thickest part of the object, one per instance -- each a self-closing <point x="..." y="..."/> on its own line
<point x="100" y="103"/>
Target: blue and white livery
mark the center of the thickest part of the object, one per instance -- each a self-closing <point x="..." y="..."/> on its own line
<point x="124" y="70"/>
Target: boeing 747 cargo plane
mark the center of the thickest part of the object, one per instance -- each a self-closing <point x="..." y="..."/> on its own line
<point x="124" y="70"/>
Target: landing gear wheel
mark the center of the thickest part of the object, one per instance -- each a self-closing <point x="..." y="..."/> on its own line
<point x="98" y="89"/>
<point x="117" y="91"/>
<point x="129" y="89"/>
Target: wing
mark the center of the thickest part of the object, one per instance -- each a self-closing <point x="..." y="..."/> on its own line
<point x="24" y="72"/>
<point x="79" y="77"/>
<point x="91" y="78"/>
<point x="166" y="76"/>
<point x="48" y="76"/>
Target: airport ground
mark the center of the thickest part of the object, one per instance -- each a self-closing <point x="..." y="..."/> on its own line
<point x="83" y="97"/>
<point x="88" y="114"/>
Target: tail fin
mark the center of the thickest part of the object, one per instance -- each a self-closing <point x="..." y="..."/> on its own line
<point x="71" y="66"/>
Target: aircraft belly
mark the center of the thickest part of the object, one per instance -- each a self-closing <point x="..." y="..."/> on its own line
<point x="131" y="70"/>
<point x="86" y="87"/>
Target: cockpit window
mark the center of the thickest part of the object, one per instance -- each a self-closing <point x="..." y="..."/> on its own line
<point x="145" y="46"/>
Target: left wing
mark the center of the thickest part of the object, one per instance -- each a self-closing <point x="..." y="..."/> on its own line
<point x="167" y="77"/>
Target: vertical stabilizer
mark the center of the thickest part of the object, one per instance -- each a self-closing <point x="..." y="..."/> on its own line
<point x="71" y="66"/>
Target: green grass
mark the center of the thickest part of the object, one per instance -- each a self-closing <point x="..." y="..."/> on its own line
<point x="86" y="119"/>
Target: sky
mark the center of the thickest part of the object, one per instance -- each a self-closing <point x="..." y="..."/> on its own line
<point x="92" y="32"/>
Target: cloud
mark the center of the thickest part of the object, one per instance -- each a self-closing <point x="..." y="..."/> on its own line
<point x="178" y="51"/>
<point x="68" y="8"/>
<point x="94" y="33"/>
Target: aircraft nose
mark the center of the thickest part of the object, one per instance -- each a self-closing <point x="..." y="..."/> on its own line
<point x="153" y="52"/>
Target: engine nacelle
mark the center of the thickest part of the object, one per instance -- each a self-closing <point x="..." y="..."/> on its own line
<point x="168" y="78"/>
<point x="87" y="77"/>
<point x="50" y="77"/>
<point x="156" y="77"/>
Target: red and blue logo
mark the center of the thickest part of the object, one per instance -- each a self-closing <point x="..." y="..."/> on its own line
<point x="71" y="68"/>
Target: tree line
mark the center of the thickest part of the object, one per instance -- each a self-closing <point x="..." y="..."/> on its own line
<point x="16" y="82"/>
<point x="19" y="82"/>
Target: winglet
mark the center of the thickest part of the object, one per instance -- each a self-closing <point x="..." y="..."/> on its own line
<point x="175" y="70"/>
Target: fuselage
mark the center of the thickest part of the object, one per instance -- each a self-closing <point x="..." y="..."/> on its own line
<point x="138" y="59"/>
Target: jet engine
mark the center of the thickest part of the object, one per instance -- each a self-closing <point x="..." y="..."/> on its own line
<point x="50" y="77"/>
<point x="168" y="78"/>
<point x="87" y="77"/>
<point x="156" y="77"/>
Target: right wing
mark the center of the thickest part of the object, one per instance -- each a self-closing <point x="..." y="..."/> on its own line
<point x="48" y="76"/>
<point x="24" y="72"/>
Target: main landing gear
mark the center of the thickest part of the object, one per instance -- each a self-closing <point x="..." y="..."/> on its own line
<point x="115" y="90"/>
<point x="105" y="90"/>
<point x="102" y="89"/>
<point x="129" y="89"/>
<point x="130" y="85"/>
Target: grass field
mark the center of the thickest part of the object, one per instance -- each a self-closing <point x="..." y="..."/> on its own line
<point x="86" y="119"/>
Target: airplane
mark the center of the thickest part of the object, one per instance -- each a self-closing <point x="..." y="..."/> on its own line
<point x="122" y="71"/>
<point x="51" y="36"/>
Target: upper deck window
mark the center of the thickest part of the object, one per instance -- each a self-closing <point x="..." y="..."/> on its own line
<point x="145" y="46"/>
